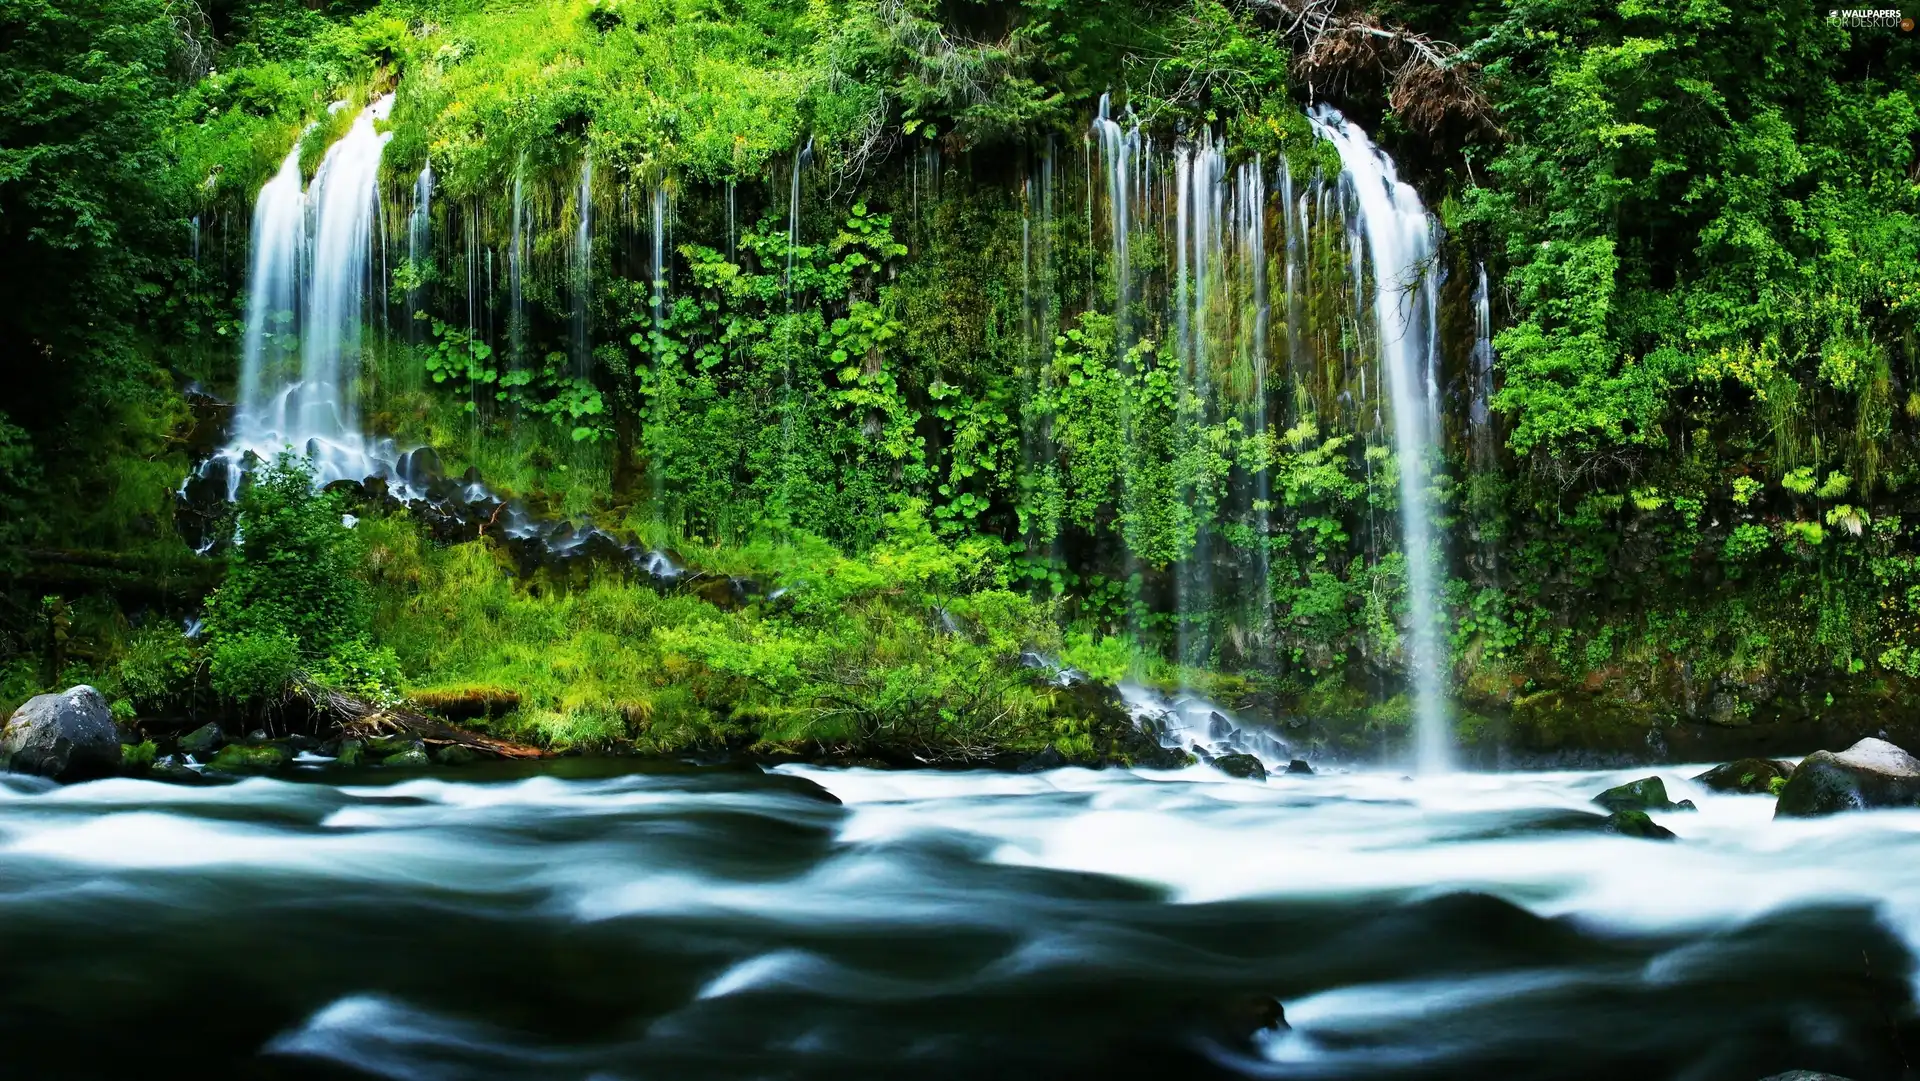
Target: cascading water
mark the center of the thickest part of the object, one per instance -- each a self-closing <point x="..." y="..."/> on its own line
<point x="583" y="270"/>
<point x="1480" y="410"/>
<point x="1399" y="239"/>
<point x="311" y="271"/>
<point x="517" y="277"/>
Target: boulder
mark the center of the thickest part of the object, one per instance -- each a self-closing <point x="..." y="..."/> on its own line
<point x="67" y="736"/>
<point x="173" y="769"/>
<point x="251" y="758"/>
<point x="1636" y="824"/>
<point x="1749" y="775"/>
<point x="1299" y="765"/>
<point x="1241" y="765"/>
<point x="203" y="741"/>
<point x="352" y="753"/>
<point x="452" y="754"/>
<point x="414" y="756"/>
<point x="1645" y="794"/>
<point x="1871" y="773"/>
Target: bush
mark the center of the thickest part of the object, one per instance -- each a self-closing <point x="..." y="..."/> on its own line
<point x="255" y="667"/>
<point x="159" y="671"/>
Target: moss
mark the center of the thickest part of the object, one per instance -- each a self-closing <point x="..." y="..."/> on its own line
<point x="251" y="758"/>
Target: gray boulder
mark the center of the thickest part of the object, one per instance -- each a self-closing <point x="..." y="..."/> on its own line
<point x="67" y="736"/>
<point x="203" y="741"/>
<point x="1871" y="773"/>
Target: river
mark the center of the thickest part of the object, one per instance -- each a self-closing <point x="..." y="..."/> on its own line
<point x="598" y="920"/>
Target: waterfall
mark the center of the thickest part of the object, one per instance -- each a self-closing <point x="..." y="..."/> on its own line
<point x="1250" y="228"/>
<point x="1399" y="240"/>
<point x="1120" y="149"/>
<point x="583" y="270"/>
<point x="1480" y="411"/>
<point x="311" y="271"/>
<point x="517" y="276"/>
<point x="800" y="161"/>
<point x="659" y="290"/>
<point x="272" y="313"/>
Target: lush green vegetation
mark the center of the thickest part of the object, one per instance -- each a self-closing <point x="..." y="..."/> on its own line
<point x="930" y="405"/>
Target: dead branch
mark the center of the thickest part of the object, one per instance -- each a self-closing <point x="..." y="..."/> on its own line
<point x="1429" y="81"/>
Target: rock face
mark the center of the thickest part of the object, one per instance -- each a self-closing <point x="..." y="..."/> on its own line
<point x="1636" y="824"/>
<point x="67" y="736"/>
<point x="1645" y="794"/>
<point x="1749" y="775"/>
<point x="1871" y="773"/>
<point x="1241" y="765"/>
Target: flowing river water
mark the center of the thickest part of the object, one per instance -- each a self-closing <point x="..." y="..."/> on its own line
<point x="586" y="919"/>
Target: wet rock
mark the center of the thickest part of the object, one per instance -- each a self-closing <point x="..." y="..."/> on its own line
<point x="352" y="752"/>
<point x="1645" y="794"/>
<point x="1049" y="758"/>
<point x="252" y="758"/>
<point x="68" y="736"/>
<point x="1241" y="765"/>
<point x="453" y="754"/>
<point x="1299" y="765"/>
<point x="382" y="746"/>
<point x="1871" y="773"/>
<point x="412" y="757"/>
<point x="173" y="769"/>
<point x="1748" y="775"/>
<point x="1636" y="824"/>
<point x="1218" y="727"/>
<point x="203" y="741"/>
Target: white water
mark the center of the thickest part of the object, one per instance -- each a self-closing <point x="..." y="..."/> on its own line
<point x="773" y="902"/>
<point x="583" y="270"/>
<point x="1399" y="236"/>
<point x="311" y="271"/>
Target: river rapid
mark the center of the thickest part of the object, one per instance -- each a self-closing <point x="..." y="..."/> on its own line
<point x="586" y="920"/>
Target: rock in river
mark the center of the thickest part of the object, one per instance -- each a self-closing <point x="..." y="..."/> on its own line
<point x="251" y="758"/>
<point x="1636" y="824"/>
<point x="1241" y="765"/>
<point x="1871" y="773"/>
<point x="1749" y="775"/>
<point x="203" y="741"/>
<point x="1645" y="794"/>
<point x="67" y="736"/>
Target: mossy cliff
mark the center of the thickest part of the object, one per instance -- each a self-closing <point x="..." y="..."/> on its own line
<point x="834" y="306"/>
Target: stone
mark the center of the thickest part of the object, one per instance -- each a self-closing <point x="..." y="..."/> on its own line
<point x="173" y="769"/>
<point x="1048" y="758"/>
<point x="1871" y="773"/>
<point x="68" y="736"/>
<point x="452" y="754"/>
<point x="352" y="753"/>
<point x="1299" y="766"/>
<point x="380" y="746"/>
<point x="251" y="758"/>
<point x="1749" y="775"/>
<point x="1636" y="824"/>
<point x="413" y="757"/>
<point x="1240" y="765"/>
<point x="1645" y="794"/>
<point x="203" y="741"/>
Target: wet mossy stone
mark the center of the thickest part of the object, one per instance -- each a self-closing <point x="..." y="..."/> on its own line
<point x="1645" y="794"/>
<point x="352" y="753"/>
<point x="1299" y="765"/>
<point x="1871" y="773"/>
<point x="413" y="757"/>
<point x="453" y="754"/>
<point x="203" y="741"/>
<point x="252" y="758"/>
<point x="1241" y="765"/>
<point x="1636" y="824"/>
<point x="173" y="769"/>
<point x="68" y="736"/>
<point x="379" y="746"/>
<point x="1749" y="775"/>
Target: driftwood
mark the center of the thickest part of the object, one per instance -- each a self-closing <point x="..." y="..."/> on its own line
<point x="356" y="718"/>
<point x="1429" y="81"/>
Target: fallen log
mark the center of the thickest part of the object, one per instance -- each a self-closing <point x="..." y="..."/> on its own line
<point x="357" y="718"/>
